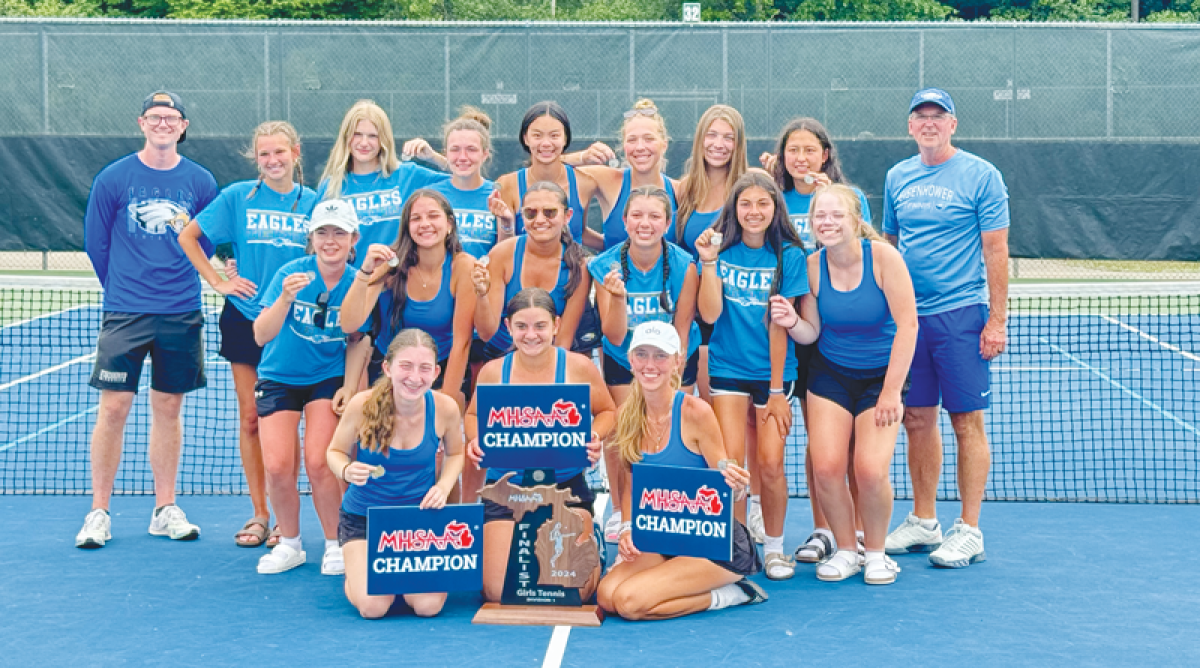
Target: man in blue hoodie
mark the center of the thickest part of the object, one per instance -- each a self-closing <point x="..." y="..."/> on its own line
<point x="137" y="206"/>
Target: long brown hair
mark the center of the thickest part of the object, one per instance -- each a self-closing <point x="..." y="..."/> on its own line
<point x="396" y="278"/>
<point x="655" y="193"/>
<point x="379" y="411"/>
<point x="695" y="184"/>
<point x="780" y="232"/>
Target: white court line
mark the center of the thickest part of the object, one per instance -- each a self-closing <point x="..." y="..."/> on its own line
<point x="47" y="315"/>
<point x="1035" y="368"/>
<point x="82" y="358"/>
<point x="558" y="647"/>
<point x="1151" y="338"/>
<point x="1149" y="404"/>
<point x="598" y="508"/>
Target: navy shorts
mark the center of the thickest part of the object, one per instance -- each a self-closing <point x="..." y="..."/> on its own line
<point x="173" y="341"/>
<point x="237" y="337"/>
<point x="745" y="559"/>
<point x="706" y="331"/>
<point x="494" y="512"/>
<point x="351" y="527"/>
<point x="947" y="367"/>
<point x="615" y="374"/>
<point x="856" y="390"/>
<point x="272" y="397"/>
<point x="758" y="390"/>
<point x="804" y="355"/>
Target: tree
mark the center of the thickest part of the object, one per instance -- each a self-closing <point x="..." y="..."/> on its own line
<point x="871" y="10"/>
<point x="56" y="8"/>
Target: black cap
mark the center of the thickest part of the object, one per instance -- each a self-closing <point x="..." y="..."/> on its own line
<point x="162" y="98"/>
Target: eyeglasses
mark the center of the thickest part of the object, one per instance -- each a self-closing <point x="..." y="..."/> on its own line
<point x="531" y="213"/>
<point x="822" y="217"/>
<point x="155" y="119"/>
<point x="647" y="111"/>
<point x="322" y="310"/>
<point x="936" y="118"/>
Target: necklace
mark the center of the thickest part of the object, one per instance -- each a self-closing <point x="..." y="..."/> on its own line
<point x="658" y="429"/>
<point x="420" y="275"/>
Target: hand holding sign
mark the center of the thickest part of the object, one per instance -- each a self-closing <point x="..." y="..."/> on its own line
<point x="535" y="426"/>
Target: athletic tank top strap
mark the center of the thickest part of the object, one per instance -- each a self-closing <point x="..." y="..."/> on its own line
<point x="408" y="474"/>
<point x="577" y="208"/>
<point x="506" y="369"/>
<point x="675" y="453"/>
<point x="614" y="223"/>
<point x="857" y="328"/>
<point x="560" y="367"/>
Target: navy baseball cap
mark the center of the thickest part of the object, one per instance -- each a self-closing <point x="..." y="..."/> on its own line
<point x="162" y="98"/>
<point x="932" y="96"/>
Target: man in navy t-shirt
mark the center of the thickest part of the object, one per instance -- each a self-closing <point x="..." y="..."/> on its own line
<point x="947" y="212"/>
<point x="137" y="206"/>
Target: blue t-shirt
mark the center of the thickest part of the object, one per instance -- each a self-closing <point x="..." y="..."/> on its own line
<point x="131" y="234"/>
<point x="408" y="474"/>
<point x="939" y="214"/>
<point x="435" y="316"/>
<point x="303" y="354"/>
<point x="475" y="223"/>
<point x="696" y="224"/>
<point x="614" y="224"/>
<point x="798" y="205"/>
<point x="642" y="295"/>
<point x="264" y="230"/>
<point x="378" y="200"/>
<point x="740" y="346"/>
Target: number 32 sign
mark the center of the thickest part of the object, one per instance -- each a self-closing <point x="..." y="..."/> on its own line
<point x="691" y="12"/>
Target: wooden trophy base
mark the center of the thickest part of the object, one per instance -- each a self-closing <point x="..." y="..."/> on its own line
<point x="539" y="615"/>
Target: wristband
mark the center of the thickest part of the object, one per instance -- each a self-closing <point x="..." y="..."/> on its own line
<point x="625" y="526"/>
<point x="776" y="391"/>
<point x="708" y="263"/>
<point x="343" y="475"/>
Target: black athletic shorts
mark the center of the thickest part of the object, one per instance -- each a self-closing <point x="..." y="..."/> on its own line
<point x="758" y="390"/>
<point x="351" y="527"/>
<point x="745" y="559"/>
<point x="272" y="397"/>
<point x="493" y="511"/>
<point x="173" y="341"/>
<point x="615" y="374"/>
<point x="237" y="337"/>
<point x="804" y="355"/>
<point x="706" y="331"/>
<point x="856" y="390"/>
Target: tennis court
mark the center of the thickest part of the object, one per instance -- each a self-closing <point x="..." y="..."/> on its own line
<point x="1095" y="401"/>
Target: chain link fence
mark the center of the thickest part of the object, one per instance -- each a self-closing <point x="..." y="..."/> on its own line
<point x="1011" y="82"/>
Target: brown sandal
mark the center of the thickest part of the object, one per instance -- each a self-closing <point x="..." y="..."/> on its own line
<point x="253" y="533"/>
<point x="274" y="538"/>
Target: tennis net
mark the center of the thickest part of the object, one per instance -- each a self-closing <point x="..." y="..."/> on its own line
<point x="1094" y="399"/>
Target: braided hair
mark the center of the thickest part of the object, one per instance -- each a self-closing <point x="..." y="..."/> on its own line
<point x="657" y="193"/>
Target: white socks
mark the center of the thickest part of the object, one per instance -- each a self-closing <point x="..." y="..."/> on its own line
<point x="330" y="544"/>
<point x="730" y="594"/>
<point x="773" y="544"/>
<point x="293" y="543"/>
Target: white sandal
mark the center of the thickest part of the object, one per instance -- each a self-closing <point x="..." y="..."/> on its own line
<point x="779" y="567"/>
<point x="816" y="548"/>
<point x="880" y="571"/>
<point x="333" y="563"/>
<point x="843" y="564"/>
<point x="281" y="558"/>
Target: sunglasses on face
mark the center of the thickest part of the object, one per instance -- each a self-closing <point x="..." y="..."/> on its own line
<point x="531" y="213"/>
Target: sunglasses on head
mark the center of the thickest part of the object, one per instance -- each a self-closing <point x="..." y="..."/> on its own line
<point x="648" y="111"/>
<point x="322" y="310"/>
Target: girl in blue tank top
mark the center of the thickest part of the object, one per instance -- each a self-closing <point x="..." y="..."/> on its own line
<point x="546" y="257"/>
<point x="644" y="142"/>
<point x="267" y="223"/>
<point x="545" y="133"/>
<point x="385" y="449"/>
<point x="856" y="382"/>
<point x="658" y="424"/>
<point x="533" y="319"/>
<point x="364" y="168"/>
<point x="429" y="288"/>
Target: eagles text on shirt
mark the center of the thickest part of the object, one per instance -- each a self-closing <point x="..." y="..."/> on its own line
<point x="748" y="286"/>
<point x="263" y="227"/>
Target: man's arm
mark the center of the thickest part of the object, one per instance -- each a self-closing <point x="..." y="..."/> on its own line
<point x="995" y="259"/>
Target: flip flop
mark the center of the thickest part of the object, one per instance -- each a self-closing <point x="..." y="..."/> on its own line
<point x="253" y="533"/>
<point x="274" y="538"/>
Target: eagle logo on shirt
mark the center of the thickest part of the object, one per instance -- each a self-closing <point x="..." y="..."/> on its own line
<point x="156" y="216"/>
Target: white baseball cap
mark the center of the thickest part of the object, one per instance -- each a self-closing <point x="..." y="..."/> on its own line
<point x="336" y="212"/>
<point x="661" y="335"/>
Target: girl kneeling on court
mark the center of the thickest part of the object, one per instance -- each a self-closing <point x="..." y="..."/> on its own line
<point x="532" y="317"/>
<point x="659" y="424"/>
<point x="307" y="368"/>
<point x="394" y="428"/>
<point x="858" y="377"/>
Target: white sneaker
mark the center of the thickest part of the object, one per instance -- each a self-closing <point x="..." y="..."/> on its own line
<point x="754" y="523"/>
<point x="96" y="530"/>
<point x="172" y="523"/>
<point x="333" y="563"/>
<point x="281" y="558"/>
<point x="963" y="546"/>
<point x="612" y="528"/>
<point x="913" y="537"/>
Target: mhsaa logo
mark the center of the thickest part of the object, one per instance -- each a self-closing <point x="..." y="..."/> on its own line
<point x="456" y="535"/>
<point x="707" y="500"/>
<point x="562" y="412"/>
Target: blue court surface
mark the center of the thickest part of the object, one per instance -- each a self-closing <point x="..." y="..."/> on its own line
<point x="1064" y="585"/>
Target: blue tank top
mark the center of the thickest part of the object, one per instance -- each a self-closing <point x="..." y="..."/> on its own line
<point x="675" y="453"/>
<point x="560" y="377"/>
<point x="435" y="316"/>
<point x="577" y="207"/>
<point x="614" y="224"/>
<point x="408" y="474"/>
<point x="696" y="224"/>
<point x="502" y="339"/>
<point x="856" y="326"/>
